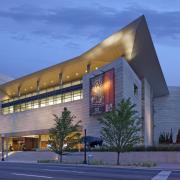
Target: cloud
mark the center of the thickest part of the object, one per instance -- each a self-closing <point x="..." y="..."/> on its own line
<point x="91" y="22"/>
<point x="161" y="23"/>
<point x="20" y="37"/>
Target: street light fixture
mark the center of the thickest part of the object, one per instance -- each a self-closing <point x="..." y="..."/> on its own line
<point x="85" y="141"/>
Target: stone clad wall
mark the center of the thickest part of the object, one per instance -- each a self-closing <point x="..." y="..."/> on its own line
<point x="129" y="80"/>
<point x="37" y="119"/>
<point x="167" y="113"/>
<point x="147" y="113"/>
<point x="124" y="88"/>
<point x="41" y="118"/>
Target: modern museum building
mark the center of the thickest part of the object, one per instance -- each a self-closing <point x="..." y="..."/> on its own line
<point x="124" y="65"/>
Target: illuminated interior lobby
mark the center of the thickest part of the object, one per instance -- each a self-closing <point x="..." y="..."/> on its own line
<point x="126" y="60"/>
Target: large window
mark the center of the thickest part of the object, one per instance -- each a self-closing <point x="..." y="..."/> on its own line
<point x="73" y="83"/>
<point x="47" y="101"/>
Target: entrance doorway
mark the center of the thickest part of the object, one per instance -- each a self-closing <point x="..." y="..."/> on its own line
<point x="28" y="143"/>
<point x="24" y="144"/>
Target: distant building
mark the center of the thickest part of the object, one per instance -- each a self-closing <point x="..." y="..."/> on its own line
<point x="4" y="79"/>
<point x="124" y="65"/>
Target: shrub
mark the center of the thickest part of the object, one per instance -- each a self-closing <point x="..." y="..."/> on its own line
<point x="163" y="147"/>
<point x="166" y="138"/>
<point x="178" y="137"/>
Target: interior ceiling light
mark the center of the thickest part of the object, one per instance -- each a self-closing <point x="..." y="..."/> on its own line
<point x="68" y="77"/>
<point x="77" y="74"/>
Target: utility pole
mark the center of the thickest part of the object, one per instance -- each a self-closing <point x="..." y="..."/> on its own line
<point x="2" y="138"/>
<point x="85" y="141"/>
<point x="7" y="148"/>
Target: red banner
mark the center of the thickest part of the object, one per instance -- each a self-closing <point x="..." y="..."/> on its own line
<point x="108" y="85"/>
<point x="102" y="93"/>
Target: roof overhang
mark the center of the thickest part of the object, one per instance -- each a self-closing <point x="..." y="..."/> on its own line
<point x="133" y="42"/>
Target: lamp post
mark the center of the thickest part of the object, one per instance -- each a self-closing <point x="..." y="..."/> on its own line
<point x="2" y="138"/>
<point x="85" y="141"/>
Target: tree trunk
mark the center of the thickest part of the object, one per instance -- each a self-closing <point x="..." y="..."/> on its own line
<point x="60" y="157"/>
<point x="118" y="157"/>
<point x="60" y="153"/>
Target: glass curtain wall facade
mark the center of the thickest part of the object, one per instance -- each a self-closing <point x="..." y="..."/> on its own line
<point x="60" y="94"/>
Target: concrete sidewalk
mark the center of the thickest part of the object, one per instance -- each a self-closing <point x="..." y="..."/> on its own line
<point x="31" y="156"/>
<point x="163" y="160"/>
<point x="169" y="166"/>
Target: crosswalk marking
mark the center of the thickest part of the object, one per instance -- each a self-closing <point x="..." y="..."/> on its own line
<point x="163" y="175"/>
<point x="32" y="175"/>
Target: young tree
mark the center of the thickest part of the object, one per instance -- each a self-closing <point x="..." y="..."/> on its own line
<point x="64" y="132"/>
<point x="120" y="127"/>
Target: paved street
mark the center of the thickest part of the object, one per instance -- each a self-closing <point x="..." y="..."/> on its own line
<point x="21" y="171"/>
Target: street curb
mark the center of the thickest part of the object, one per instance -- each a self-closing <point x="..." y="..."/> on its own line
<point x="96" y="166"/>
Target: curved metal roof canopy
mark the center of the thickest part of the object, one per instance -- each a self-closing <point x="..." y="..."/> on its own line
<point x="133" y="42"/>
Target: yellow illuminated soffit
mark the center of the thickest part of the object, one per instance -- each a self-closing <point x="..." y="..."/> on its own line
<point x="118" y="45"/>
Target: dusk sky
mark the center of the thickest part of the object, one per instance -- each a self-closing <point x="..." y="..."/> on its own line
<point x="36" y="34"/>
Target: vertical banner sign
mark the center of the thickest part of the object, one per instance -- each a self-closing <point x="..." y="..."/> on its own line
<point x="108" y="88"/>
<point x="96" y="95"/>
<point x="102" y="93"/>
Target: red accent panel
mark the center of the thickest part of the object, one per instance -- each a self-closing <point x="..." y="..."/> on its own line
<point x="108" y="90"/>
